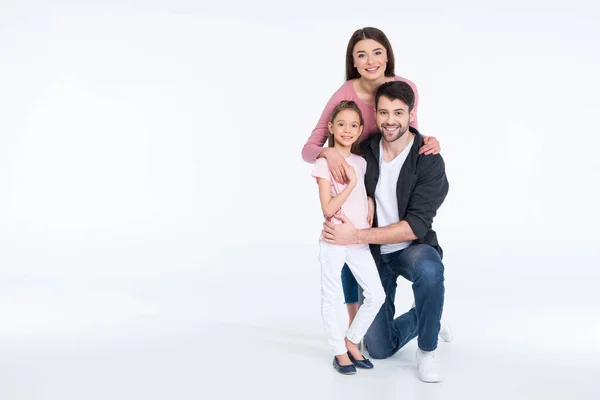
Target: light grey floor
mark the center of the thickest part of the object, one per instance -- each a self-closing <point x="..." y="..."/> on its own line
<point x="249" y="329"/>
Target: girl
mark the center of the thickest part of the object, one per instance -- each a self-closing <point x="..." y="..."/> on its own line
<point x="345" y="128"/>
<point x="369" y="63"/>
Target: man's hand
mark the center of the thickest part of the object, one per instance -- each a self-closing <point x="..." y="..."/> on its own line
<point x="342" y="234"/>
<point x="371" y="212"/>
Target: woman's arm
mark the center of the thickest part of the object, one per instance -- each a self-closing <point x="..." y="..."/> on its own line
<point x="430" y="144"/>
<point x="313" y="148"/>
<point x="415" y="122"/>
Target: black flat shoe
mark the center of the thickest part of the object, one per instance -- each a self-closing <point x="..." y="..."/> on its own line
<point x="343" y="369"/>
<point x="365" y="364"/>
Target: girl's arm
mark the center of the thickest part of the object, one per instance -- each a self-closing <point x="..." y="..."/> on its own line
<point x="331" y="205"/>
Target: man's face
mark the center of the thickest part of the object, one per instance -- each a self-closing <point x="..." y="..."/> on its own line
<point x="393" y="118"/>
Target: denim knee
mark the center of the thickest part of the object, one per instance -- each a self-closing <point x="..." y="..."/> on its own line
<point x="378" y="350"/>
<point x="431" y="273"/>
<point x="349" y="285"/>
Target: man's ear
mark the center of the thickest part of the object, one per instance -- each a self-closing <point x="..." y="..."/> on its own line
<point x="412" y="115"/>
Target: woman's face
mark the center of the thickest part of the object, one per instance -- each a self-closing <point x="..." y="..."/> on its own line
<point x="370" y="59"/>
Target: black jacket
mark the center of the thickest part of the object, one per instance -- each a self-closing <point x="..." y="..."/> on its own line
<point x="421" y="189"/>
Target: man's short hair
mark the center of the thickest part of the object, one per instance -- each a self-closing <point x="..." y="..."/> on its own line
<point x="396" y="90"/>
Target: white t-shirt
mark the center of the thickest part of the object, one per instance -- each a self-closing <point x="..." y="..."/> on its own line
<point x="385" y="194"/>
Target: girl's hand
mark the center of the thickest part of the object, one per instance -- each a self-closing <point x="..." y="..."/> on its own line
<point x="371" y="212"/>
<point x="337" y="163"/>
<point x="350" y="174"/>
<point x="430" y="146"/>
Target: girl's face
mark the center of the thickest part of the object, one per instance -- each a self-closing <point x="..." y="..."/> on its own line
<point x="346" y="128"/>
<point x="370" y="59"/>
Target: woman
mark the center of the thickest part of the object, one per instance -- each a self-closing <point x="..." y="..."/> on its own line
<point x="369" y="63"/>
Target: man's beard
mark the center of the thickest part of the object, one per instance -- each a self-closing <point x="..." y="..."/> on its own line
<point x="398" y="135"/>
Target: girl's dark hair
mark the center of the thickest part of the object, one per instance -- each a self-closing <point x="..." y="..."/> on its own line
<point x="346" y="105"/>
<point x="376" y="35"/>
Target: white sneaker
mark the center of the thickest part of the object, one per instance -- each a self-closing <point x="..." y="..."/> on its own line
<point x="428" y="366"/>
<point x="445" y="332"/>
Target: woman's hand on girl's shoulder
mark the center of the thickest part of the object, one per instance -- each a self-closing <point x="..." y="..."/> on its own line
<point x="336" y="164"/>
<point x="350" y="174"/>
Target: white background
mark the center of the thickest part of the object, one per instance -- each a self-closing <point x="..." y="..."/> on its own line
<point x="158" y="227"/>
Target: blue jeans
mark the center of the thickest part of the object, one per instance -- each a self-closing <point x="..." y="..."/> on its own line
<point x="421" y="264"/>
<point x="349" y="285"/>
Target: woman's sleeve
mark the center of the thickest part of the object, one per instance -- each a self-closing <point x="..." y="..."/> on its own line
<point x="314" y="145"/>
<point x="415" y="122"/>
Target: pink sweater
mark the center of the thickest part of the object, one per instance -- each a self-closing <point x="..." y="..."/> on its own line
<point x="318" y="137"/>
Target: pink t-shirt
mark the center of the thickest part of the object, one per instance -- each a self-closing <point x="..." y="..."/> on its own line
<point x="318" y="137"/>
<point x="356" y="206"/>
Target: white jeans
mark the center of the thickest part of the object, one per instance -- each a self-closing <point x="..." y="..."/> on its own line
<point x="362" y="265"/>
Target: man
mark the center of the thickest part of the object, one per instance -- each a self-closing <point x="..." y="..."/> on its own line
<point x="408" y="189"/>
